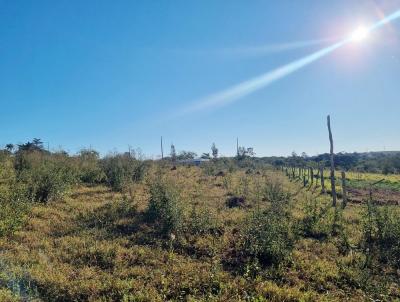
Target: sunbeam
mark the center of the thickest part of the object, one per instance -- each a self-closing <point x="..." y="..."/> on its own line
<point x="272" y="48"/>
<point x="245" y="88"/>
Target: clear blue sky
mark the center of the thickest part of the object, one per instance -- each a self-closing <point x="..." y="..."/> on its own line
<point x="109" y="74"/>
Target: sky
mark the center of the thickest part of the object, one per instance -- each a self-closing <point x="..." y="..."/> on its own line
<point x="113" y="74"/>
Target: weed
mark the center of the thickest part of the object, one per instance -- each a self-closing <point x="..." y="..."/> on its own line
<point x="267" y="236"/>
<point x="165" y="209"/>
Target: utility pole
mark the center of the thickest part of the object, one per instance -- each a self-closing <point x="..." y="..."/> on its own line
<point x="333" y="189"/>
<point x="162" y="151"/>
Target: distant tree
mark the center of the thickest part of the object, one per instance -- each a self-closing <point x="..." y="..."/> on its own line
<point x="214" y="151"/>
<point x="185" y="155"/>
<point x="10" y="147"/>
<point x="278" y="162"/>
<point x="35" y="145"/>
<point x="242" y="152"/>
<point x="89" y="154"/>
<point x="37" y="142"/>
<point x="205" y="156"/>
<point x="173" y="153"/>
<point x="250" y="151"/>
<point x="304" y="155"/>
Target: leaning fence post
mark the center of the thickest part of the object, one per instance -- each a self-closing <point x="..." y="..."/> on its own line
<point x="344" y="190"/>
<point x="333" y="189"/>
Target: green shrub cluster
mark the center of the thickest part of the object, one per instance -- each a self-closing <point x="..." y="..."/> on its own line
<point x="12" y="215"/>
<point x="89" y="169"/>
<point x="268" y="236"/>
<point x="274" y="191"/>
<point x="165" y="209"/>
<point x="46" y="177"/>
<point x="122" y="169"/>
<point x="317" y="220"/>
<point x="201" y="221"/>
<point x="381" y="234"/>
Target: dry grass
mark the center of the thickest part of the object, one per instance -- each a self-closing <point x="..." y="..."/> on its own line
<point x="97" y="246"/>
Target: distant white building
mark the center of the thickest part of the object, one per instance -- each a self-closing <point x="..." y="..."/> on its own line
<point x="194" y="161"/>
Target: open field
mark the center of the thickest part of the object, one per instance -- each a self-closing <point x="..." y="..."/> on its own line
<point x="278" y="242"/>
<point x="214" y="151"/>
<point x="385" y="188"/>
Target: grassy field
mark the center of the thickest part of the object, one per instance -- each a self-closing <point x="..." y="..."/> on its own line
<point x="385" y="188"/>
<point x="207" y="245"/>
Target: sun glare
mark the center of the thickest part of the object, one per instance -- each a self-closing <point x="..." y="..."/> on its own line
<point x="359" y="34"/>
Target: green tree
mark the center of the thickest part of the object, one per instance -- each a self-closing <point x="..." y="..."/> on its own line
<point x="214" y="151"/>
<point x="10" y="147"/>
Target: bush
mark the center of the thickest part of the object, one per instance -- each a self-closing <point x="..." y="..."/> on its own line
<point x="13" y="213"/>
<point x="202" y="222"/>
<point x="274" y="191"/>
<point x="13" y="199"/>
<point x="165" y="209"/>
<point x="121" y="169"/>
<point x="267" y="237"/>
<point x="89" y="169"/>
<point x="317" y="222"/>
<point x="381" y="235"/>
<point x="45" y="176"/>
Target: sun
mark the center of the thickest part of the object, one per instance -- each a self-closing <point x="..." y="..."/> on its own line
<point x="359" y="34"/>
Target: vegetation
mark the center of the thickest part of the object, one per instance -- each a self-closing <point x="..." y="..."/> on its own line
<point x="119" y="228"/>
<point x="387" y="162"/>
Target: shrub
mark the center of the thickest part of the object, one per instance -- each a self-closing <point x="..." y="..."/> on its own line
<point x="202" y="221"/>
<point x="13" y="212"/>
<point x="121" y="169"/>
<point x="243" y="187"/>
<point x="89" y="169"/>
<point x="267" y="237"/>
<point x="209" y="168"/>
<point x="46" y="177"/>
<point x="165" y="209"/>
<point x="381" y="235"/>
<point x="274" y="191"/>
<point x="13" y="199"/>
<point x="317" y="222"/>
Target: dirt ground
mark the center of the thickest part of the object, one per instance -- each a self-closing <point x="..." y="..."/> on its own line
<point x="379" y="196"/>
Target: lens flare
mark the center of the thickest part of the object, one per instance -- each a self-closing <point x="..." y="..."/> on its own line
<point x="245" y="88"/>
<point x="359" y="34"/>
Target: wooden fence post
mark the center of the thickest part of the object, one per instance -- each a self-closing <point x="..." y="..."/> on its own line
<point x="312" y="175"/>
<point x="333" y="188"/>
<point x="344" y="190"/>
<point x="321" y="171"/>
